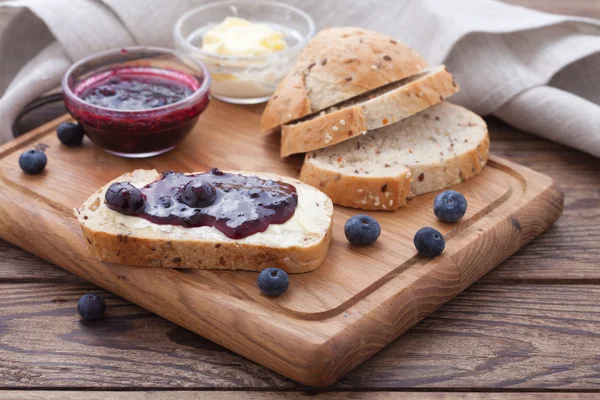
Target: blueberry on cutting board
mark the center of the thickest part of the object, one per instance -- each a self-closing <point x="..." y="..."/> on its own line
<point x="273" y="281"/>
<point x="362" y="229"/>
<point x="70" y="134"/>
<point x="33" y="161"/>
<point x="91" y="307"/>
<point x="449" y="206"/>
<point x="429" y="242"/>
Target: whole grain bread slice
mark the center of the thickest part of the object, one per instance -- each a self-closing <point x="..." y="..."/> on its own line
<point x="429" y="151"/>
<point x="375" y="109"/>
<point x="338" y="64"/>
<point x="299" y="245"/>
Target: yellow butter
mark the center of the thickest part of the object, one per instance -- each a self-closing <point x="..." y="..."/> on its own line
<point x="239" y="37"/>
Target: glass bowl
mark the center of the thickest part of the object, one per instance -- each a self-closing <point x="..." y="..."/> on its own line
<point x="157" y="126"/>
<point x="245" y="79"/>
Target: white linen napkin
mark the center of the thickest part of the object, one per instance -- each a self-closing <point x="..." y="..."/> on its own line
<point x="536" y="71"/>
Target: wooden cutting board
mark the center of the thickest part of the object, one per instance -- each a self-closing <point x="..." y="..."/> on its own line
<point x="330" y="320"/>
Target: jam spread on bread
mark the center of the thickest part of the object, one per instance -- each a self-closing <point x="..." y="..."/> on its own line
<point x="236" y="205"/>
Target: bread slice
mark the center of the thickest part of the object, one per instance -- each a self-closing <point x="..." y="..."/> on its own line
<point x="370" y="111"/>
<point x="298" y="245"/>
<point x="429" y="151"/>
<point x="338" y="64"/>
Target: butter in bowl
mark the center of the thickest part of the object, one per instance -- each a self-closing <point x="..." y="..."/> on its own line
<point x="248" y="46"/>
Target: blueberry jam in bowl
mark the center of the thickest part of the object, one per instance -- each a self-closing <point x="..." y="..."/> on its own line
<point x="139" y="101"/>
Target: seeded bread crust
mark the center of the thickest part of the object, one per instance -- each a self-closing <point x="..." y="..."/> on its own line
<point x="382" y="107"/>
<point x="338" y="64"/>
<point x="124" y="245"/>
<point x="389" y="187"/>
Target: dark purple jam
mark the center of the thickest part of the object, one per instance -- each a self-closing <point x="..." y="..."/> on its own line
<point x="237" y="205"/>
<point x="131" y="90"/>
<point x="143" y="110"/>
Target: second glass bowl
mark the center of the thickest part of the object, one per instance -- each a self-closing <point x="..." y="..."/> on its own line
<point x="245" y="79"/>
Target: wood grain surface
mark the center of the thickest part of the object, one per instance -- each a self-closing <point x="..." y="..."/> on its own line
<point x="563" y="260"/>
<point x="222" y="395"/>
<point x="331" y="319"/>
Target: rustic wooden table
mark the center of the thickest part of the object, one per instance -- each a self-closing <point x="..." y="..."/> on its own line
<point x="532" y="325"/>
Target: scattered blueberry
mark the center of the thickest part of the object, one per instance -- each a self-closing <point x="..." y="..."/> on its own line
<point x="362" y="229"/>
<point x="33" y="161"/>
<point x="429" y="242"/>
<point x="450" y="206"/>
<point x="273" y="281"/>
<point x="91" y="307"/>
<point x="124" y="198"/>
<point x="70" y="134"/>
<point x="198" y="194"/>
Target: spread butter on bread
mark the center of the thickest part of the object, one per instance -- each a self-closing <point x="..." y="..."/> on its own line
<point x="298" y="245"/>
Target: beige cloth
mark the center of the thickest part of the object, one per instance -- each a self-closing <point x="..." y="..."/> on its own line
<point x="537" y="71"/>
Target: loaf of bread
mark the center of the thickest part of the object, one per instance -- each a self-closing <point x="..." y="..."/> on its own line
<point x="377" y="108"/>
<point x="336" y="65"/>
<point x="298" y="245"/>
<point x="432" y="150"/>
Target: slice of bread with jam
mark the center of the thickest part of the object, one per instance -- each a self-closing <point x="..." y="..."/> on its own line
<point x="249" y="222"/>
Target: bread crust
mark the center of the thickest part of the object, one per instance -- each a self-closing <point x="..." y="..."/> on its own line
<point x="385" y="109"/>
<point x="364" y="191"/>
<point x="169" y="252"/>
<point x="338" y="64"/>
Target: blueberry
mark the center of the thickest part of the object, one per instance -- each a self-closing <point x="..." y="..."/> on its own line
<point x="125" y="198"/>
<point x="70" y="134"/>
<point x="362" y="229"/>
<point x="33" y="161"/>
<point x="273" y="281"/>
<point x="91" y="307"/>
<point x="429" y="242"/>
<point x="198" y="194"/>
<point x="449" y="206"/>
